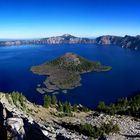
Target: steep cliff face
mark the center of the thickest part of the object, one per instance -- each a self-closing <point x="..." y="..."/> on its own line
<point x="107" y="40"/>
<point x="125" y="42"/>
<point x="64" y="39"/>
<point x="131" y="42"/>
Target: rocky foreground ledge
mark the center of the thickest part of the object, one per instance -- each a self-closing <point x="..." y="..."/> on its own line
<point x="20" y="119"/>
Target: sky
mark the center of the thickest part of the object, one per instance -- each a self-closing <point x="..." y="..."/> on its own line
<point x="83" y="18"/>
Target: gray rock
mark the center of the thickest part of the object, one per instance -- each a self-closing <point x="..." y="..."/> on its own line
<point x="16" y="127"/>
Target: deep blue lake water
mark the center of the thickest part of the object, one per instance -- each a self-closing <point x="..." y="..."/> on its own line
<point x="121" y="81"/>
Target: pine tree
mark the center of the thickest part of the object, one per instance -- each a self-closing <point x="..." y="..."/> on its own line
<point x="101" y="106"/>
<point x="75" y="108"/>
<point x="60" y="107"/>
<point x="47" y="101"/>
<point x="54" y="100"/>
<point x="67" y="107"/>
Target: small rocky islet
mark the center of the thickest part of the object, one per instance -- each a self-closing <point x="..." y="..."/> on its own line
<point x="63" y="73"/>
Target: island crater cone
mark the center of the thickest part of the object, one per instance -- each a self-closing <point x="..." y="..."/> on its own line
<point x="64" y="72"/>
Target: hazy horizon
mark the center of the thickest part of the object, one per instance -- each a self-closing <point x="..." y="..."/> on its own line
<point x="83" y="18"/>
<point x="35" y="38"/>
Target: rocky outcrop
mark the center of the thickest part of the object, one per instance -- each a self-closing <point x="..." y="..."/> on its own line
<point x="107" y="40"/>
<point x="35" y="123"/>
<point x="17" y="123"/>
<point x="131" y="42"/>
<point x="125" y="42"/>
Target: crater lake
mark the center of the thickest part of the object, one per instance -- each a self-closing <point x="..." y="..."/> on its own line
<point x="122" y="81"/>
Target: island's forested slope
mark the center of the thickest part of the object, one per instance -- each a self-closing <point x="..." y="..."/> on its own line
<point x="64" y="72"/>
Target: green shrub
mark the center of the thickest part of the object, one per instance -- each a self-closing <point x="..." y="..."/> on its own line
<point x="18" y="98"/>
<point x="123" y="106"/>
<point x="53" y="100"/>
<point x="47" y="101"/>
<point x="93" y="131"/>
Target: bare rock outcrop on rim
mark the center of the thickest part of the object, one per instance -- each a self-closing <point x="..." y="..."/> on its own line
<point x="35" y="122"/>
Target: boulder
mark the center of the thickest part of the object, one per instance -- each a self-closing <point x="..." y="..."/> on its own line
<point x="16" y="127"/>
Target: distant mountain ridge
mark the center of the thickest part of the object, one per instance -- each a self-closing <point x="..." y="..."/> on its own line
<point x="125" y="42"/>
